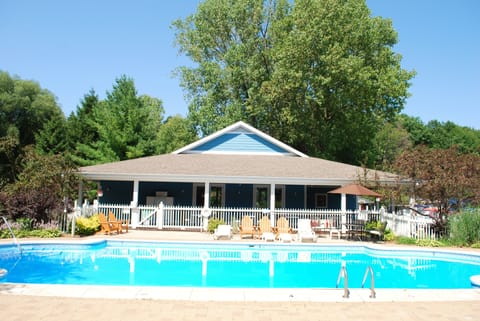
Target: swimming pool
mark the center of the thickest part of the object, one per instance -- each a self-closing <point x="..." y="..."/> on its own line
<point x="233" y="265"/>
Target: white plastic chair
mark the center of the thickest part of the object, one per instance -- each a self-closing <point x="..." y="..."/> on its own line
<point x="305" y="231"/>
<point x="223" y="231"/>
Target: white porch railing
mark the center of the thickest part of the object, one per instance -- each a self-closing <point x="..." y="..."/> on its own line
<point x="166" y="217"/>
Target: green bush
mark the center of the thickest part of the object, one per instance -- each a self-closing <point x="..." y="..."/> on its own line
<point x="213" y="223"/>
<point x="405" y="240"/>
<point x="465" y="228"/>
<point x="87" y="225"/>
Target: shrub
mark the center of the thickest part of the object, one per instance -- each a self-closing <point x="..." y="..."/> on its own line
<point x="465" y="228"/>
<point x="405" y="240"/>
<point x="213" y="223"/>
<point x="87" y="225"/>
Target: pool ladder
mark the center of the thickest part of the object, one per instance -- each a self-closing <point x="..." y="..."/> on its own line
<point x="344" y="274"/>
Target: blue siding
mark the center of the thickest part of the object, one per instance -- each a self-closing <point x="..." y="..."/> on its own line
<point x="294" y="196"/>
<point x="181" y="192"/>
<point x="116" y="192"/>
<point x="239" y="195"/>
<point x="239" y="142"/>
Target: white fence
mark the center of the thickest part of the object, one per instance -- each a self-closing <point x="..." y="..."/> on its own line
<point x="196" y="218"/>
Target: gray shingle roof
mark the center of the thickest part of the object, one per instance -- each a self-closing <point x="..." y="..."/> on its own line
<point x="219" y="168"/>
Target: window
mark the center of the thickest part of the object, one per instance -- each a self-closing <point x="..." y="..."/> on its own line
<point x="216" y="195"/>
<point x="320" y="200"/>
<point x="262" y="196"/>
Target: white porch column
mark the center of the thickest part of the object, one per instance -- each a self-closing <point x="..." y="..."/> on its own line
<point x="272" y="204"/>
<point x="343" y="207"/>
<point x="135" y="193"/>
<point x="206" y="206"/>
<point x="134" y="205"/>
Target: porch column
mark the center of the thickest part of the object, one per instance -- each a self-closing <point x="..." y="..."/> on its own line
<point x="272" y="204"/>
<point x="206" y="206"/>
<point x="135" y="193"/>
<point x="80" y="193"/>
<point x="134" y="206"/>
<point x="343" y="207"/>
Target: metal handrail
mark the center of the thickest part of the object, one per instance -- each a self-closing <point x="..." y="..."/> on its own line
<point x="15" y="241"/>
<point x="343" y="273"/>
<point x="372" y="281"/>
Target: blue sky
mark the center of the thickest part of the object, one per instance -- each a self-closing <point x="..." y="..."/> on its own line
<point x="70" y="47"/>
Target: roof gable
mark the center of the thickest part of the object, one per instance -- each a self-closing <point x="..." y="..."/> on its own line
<point x="239" y="138"/>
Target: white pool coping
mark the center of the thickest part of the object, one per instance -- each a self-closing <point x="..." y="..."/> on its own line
<point x="242" y="294"/>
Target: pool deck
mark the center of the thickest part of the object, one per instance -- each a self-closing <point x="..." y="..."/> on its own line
<point x="62" y="302"/>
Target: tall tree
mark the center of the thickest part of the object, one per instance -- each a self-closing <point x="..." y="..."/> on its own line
<point x="125" y="125"/>
<point x="25" y="108"/>
<point x="175" y="133"/>
<point x="320" y="75"/>
<point x="442" y="175"/>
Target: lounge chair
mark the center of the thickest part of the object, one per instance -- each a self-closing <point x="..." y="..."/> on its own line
<point x="123" y="225"/>
<point x="265" y="231"/>
<point x="246" y="227"/>
<point x="305" y="231"/>
<point x="106" y="226"/>
<point x="283" y="230"/>
<point x="223" y="231"/>
<point x="379" y="232"/>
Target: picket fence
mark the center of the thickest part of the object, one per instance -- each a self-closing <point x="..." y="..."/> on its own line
<point x="188" y="218"/>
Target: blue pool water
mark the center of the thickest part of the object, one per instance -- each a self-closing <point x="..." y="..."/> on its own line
<point x="227" y="265"/>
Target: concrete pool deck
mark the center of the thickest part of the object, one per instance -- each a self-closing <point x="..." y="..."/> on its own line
<point x="62" y="302"/>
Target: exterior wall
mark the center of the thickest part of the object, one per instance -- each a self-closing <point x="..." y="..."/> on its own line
<point x="244" y="142"/>
<point x="294" y="196"/>
<point x="116" y="192"/>
<point x="238" y="195"/>
<point x="181" y="192"/>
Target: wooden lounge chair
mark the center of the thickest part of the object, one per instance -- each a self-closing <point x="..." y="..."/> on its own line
<point x="123" y="225"/>
<point x="223" y="231"/>
<point x="246" y="227"/>
<point x="283" y="230"/>
<point x="265" y="231"/>
<point x="305" y="231"/>
<point x="107" y="227"/>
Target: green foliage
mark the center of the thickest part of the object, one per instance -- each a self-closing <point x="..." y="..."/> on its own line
<point x="213" y="223"/>
<point x="388" y="235"/>
<point x="430" y="243"/>
<point x="175" y="133"/>
<point x="405" y="240"/>
<point x="25" y="108"/>
<point x="123" y="126"/>
<point x="465" y="228"/>
<point x="85" y="226"/>
<point x="324" y="66"/>
<point x="40" y="187"/>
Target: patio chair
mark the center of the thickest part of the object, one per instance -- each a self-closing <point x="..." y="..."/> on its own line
<point x="283" y="230"/>
<point x="305" y="231"/>
<point x="265" y="231"/>
<point x="378" y="233"/>
<point x="123" y="225"/>
<point x="106" y="226"/>
<point x="246" y="227"/>
<point x="223" y="231"/>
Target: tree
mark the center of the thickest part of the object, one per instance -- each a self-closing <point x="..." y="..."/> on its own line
<point x="442" y="175"/>
<point x="175" y="133"/>
<point x="40" y="190"/>
<point x="25" y="108"/>
<point x="124" y="125"/>
<point x="320" y="75"/>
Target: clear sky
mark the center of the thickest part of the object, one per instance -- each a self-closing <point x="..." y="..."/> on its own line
<point x="70" y="47"/>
